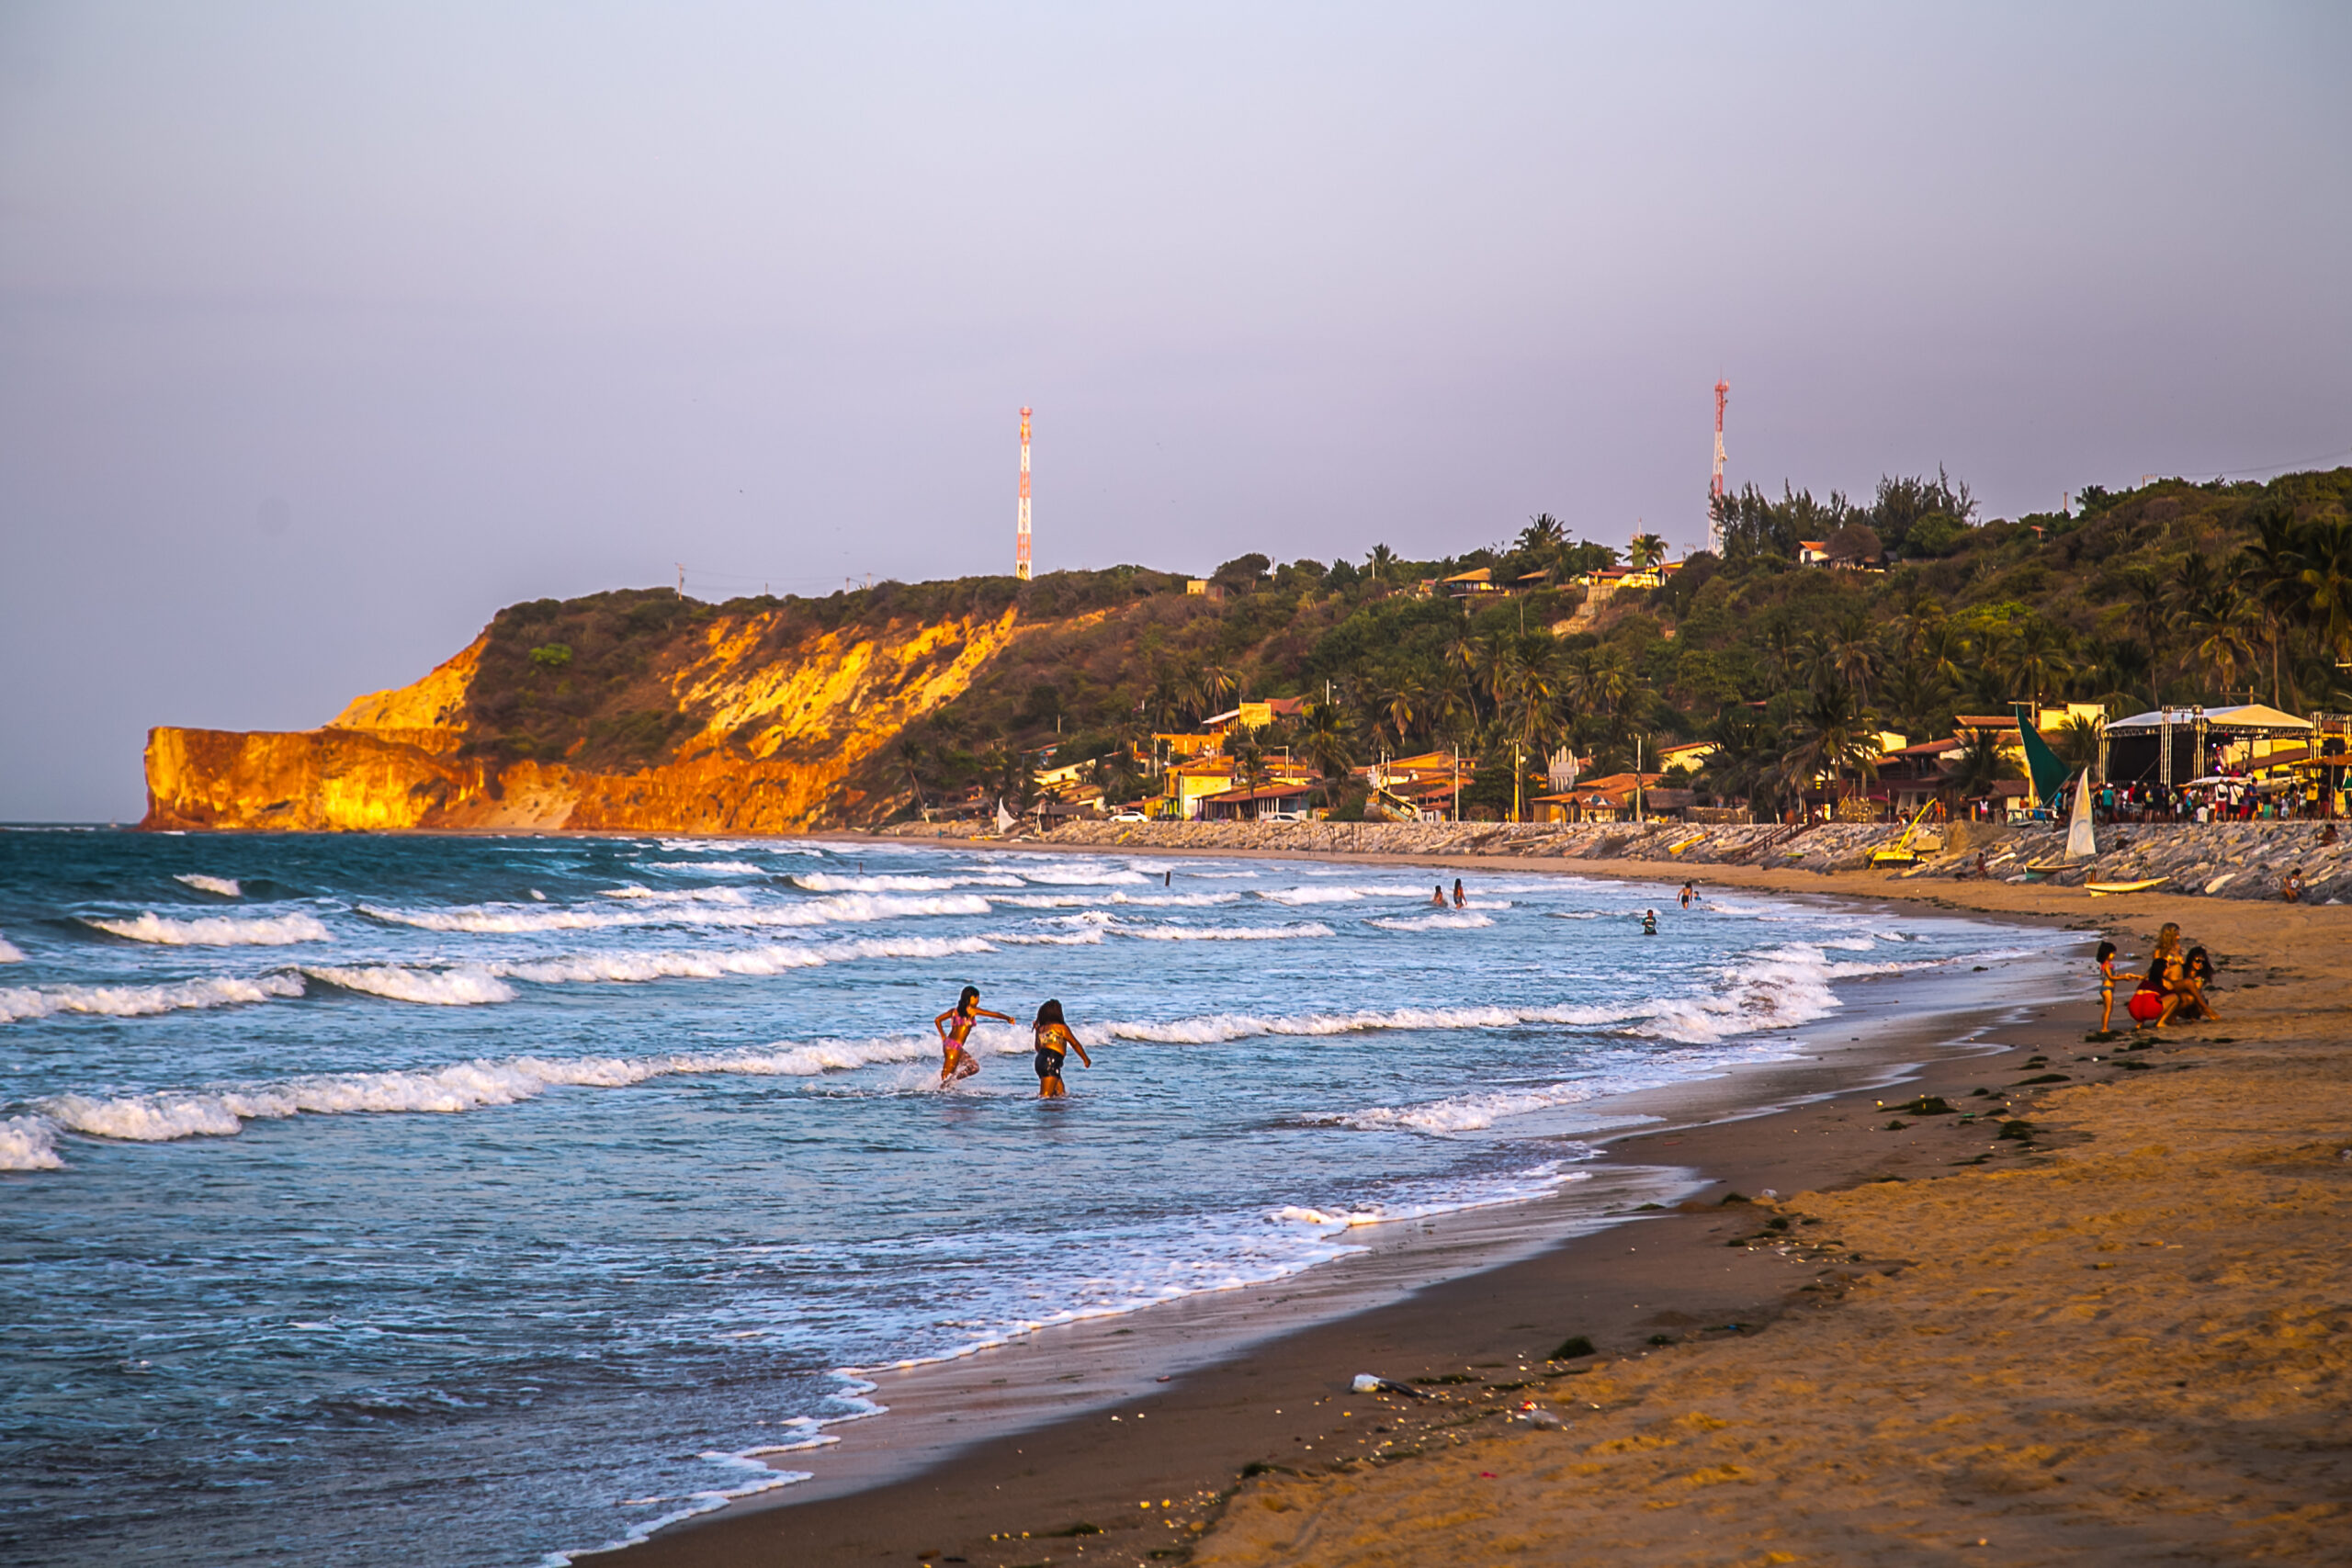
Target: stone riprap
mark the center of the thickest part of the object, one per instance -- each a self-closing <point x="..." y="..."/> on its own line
<point x="2236" y="860"/>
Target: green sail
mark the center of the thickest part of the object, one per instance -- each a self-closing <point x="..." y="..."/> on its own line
<point x="2048" y="773"/>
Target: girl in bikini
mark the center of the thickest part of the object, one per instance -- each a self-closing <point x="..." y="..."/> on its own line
<point x="2107" y="979"/>
<point x="1054" y="1041"/>
<point x="954" y="1027"/>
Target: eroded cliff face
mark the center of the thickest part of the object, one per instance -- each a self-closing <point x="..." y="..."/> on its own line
<point x="784" y="741"/>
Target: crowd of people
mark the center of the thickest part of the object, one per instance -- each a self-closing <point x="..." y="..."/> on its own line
<point x="2221" y="797"/>
<point x="2173" y="988"/>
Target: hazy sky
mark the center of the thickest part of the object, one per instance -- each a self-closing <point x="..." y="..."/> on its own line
<point x="325" y="329"/>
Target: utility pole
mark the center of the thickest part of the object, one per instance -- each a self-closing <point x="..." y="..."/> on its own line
<point x="1021" y="526"/>
<point x="681" y="578"/>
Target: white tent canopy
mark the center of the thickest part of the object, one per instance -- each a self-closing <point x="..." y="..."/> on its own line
<point x="2246" y="718"/>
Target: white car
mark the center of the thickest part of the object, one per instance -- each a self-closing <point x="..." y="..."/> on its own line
<point x="1129" y="817"/>
<point x="1281" y="817"/>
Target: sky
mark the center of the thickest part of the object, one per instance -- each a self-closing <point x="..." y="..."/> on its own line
<point x="327" y="329"/>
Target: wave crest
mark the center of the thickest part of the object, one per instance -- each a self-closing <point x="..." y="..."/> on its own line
<point x="227" y="887"/>
<point x="217" y="930"/>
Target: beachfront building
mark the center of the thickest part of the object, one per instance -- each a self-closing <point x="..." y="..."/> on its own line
<point x="1418" y="788"/>
<point x="1612" y="799"/>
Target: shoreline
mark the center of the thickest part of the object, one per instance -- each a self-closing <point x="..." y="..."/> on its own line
<point x="1213" y="1370"/>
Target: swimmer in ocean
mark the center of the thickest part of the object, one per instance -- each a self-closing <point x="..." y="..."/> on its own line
<point x="1054" y="1041"/>
<point x="1461" y="900"/>
<point x="1687" y="894"/>
<point x="1649" y="922"/>
<point x="1437" y="896"/>
<point x="954" y="1027"/>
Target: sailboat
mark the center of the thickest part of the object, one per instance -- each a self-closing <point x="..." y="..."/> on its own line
<point x="1004" y="820"/>
<point x="2082" y="836"/>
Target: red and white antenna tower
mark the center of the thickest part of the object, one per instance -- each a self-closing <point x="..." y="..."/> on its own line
<point x="1715" y="487"/>
<point x="1020" y="528"/>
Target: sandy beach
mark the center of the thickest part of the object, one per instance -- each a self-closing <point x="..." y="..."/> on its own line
<point x="2117" y="1332"/>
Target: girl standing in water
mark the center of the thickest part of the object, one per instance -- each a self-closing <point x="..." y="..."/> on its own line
<point x="1053" y="1040"/>
<point x="955" y="1027"/>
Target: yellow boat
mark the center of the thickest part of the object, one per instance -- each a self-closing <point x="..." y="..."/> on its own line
<point x="2102" y="889"/>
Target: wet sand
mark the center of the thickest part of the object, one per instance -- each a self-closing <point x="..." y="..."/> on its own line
<point x="1866" y="1390"/>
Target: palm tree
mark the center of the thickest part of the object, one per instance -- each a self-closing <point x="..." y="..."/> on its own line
<point x="1330" y="744"/>
<point x="2037" y="664"/>
<point x="1210" y="683"/>
<point x="1917" y="697"/>
<point x="1381" y="561"/>
<point x="1980" y="767"/>
<point x="2326" y="584"/>
<point x="1644" y="550"/>
<point x="1852" y="655"/>
<point x="1544" y="534"/>
<point x="2218" y="619"/>
<point x="1831" y="735"/>
<point x="2078" y="742"/>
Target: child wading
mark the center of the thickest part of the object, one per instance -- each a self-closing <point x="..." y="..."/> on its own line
<point x="1053" y="1039"/>
<point x="954" y="1027"/>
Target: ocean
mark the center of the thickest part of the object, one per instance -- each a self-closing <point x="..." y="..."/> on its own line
<point x="480" y="1200"/>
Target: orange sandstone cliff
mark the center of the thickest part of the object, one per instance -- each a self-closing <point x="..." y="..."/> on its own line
<point x="630" y="711"/>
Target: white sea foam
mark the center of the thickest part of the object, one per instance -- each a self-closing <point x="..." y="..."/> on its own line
<point x="515" y="919"/>
<point x="164" y="1115"/>
<point x="9" y="954"/>
<point x="400" y="983"/>
<point x="1516" y="1188"/>
<point x="139" y="1001"/>
<point x="1092" y="900"/>
<point x="1045" y="939"/>
<point x="826" y="882"/>
<point x="1462" y="920"/>
<point x="1222" y="933"/>
<point x="1336" y="895"/>
<point x="673" y="896"/>
<point x="218" y="931"/>
<point x="715" y="867"/>
<point x="28" y="1143"/>
<point x="1079" y="875"/>
<point x="227" y="887"/>
<point x="715" y="964"/>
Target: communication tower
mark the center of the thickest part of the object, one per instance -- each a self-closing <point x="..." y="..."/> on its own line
<point x="1715" y="487"/>
<point x="1020" y="528"/>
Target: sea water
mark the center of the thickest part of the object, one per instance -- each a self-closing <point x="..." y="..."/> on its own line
<point x="476" y="1200"/>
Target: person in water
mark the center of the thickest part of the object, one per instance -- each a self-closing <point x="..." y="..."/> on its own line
<point x="1649" y="922"/>
<point x="1054" y="1041"/>
<point x="1461" y="900"/>
<point x="955" y="1027"/>
<point x="2107" y="979"/>
<point x="1437" y="896"/>
<point x="1688" y="893"/>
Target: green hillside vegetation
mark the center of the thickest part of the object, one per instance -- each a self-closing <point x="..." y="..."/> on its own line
<point x="2174" y="591"/>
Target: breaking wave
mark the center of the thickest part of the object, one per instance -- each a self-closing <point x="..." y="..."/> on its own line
<point x="434" y="988"/>
<point x="227" y="887"/>
<point x="1338" y="894"/>
<point x="165" y="1115"/>
<point x="9" y="954"/>
<point x="825" y="882"/>
<point x="1430" y="923"/>
<point x="141" y="1001"/>
<point x="485" y="919"/>
<point x="217" y="930"/>
<point x="1222" y="933"/>
<point x="1092" y="900"/>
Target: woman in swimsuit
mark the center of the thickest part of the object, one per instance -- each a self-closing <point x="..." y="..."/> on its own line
<point x="954" y="1027"/>
<point x="1053" y="1040"/>
<point x="1461" y="900"/>
<point x="2195" y="976"/>
<point x="1437" y="896"/>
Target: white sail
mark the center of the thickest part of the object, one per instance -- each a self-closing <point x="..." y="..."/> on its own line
<point x="1004" y="818"/>
<point x="2082" y="839"/>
